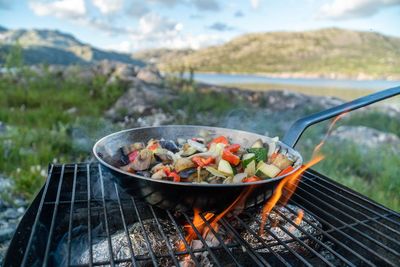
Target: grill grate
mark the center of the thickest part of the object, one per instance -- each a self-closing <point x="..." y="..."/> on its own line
<point x="353" y="230"/>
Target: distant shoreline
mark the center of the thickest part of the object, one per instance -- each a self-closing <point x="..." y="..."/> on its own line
<point x="298" y="75"/>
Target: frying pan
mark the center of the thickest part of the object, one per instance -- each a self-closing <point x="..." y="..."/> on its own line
<point x="209" y="197"/>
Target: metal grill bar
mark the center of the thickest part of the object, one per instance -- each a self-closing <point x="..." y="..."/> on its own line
<point x="351" y="217"/>
<point x="340" y="231"/>
<point x="315" y="175"/>
<point x="202" y="240"/>
<point x="330" y="237"/>
<point x="71" y="215"/>
<point x="313" y="238"/>
<point x="182" y="237"/>
<point x="343" y="214"/>
<point x="221" y="242"/>
<point x="352" y="201"/>
<point x="89" y="215"/>
<point x="356" y="211"/>
<point x="110" y="250"/>
<point x="268" y="247"/>
<point x="153" y="258"/>
<point x="160" y="229"/>
<point x="258" y="259"/>
<point x="128" y="238"/>
<point x="34" y="227"/>
<point x="46" y="254"/>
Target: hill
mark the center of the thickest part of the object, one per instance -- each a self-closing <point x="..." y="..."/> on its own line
<point x="55" y="47"/>
<point x="327" y="52"/>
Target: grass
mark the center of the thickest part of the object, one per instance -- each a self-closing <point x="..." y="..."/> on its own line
<point x="50" y="119"/>
<point x="346" y="94"/>
<point x="43" y="115"/>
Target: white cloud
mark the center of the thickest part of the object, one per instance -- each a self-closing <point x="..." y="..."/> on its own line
<point x="347" y="9"/>
<point x="108" y="6"/>
<point x="152" y="23"/>
<point x="255" y="3"/>
<point x="60" y="8"/>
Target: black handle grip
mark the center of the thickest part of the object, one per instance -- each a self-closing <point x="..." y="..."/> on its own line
<point x="299" y="126"/>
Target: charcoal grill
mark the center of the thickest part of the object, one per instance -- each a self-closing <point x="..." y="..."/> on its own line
<point x="353" y="230"/>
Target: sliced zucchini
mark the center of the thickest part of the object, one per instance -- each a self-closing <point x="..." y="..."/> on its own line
<point x="225" y="167"/>
<point x="247" y="158"/>
<point x="251" y="168"/>
<point x="258" y="144"/>
<point x="282" y="162"/>
<point x="265" y="170"/>
<point x="260" y="153"/>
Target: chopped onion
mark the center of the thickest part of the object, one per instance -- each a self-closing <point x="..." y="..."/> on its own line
<point x="239" y="177"/>
<point x="198" y="146"/>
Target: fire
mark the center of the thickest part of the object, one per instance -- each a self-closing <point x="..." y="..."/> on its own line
<point x="285" y="190"/>
<point x="199" y="223"/>
<point x="287" y="186"/>
<point x="282" y="194"/>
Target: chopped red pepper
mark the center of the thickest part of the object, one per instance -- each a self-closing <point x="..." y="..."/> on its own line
<point x="132" y="156"/>
<point x="203" y="161"/>
<point x="167" y="170"/>
<point x="233" y="148"/>
<point x="175" y="176"/>
<point x="230" y="157"/>
<point x="286" y="171"/>
<point x="153" y="146"/>
<point x="219" y="140"/>
<point x="251" y="179"/>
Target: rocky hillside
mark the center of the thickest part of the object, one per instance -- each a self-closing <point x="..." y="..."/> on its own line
<point x="55" y="47"/>
<point x="328" y="52"/>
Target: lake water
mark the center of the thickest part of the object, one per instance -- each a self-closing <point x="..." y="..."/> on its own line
<point x="249" y="78"/>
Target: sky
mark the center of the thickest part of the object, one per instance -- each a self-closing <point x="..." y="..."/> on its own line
<point x="132" y="25"/>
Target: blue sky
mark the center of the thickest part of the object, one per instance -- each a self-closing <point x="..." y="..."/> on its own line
<point x="133" y="25"/>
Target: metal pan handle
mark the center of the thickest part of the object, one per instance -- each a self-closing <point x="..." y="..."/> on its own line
<point x="299" y="126"/>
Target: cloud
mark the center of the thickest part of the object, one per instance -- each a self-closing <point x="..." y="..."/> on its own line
<point x="255" y="4"/>
<point x="137" y="9"/>
<point x="346" y="9"/>
<point x="238" y="14"/>
<point x="108" y="6"/>
<point x="221" y="27"/>
<point x="60" y="8"/>
<point x="203" y="5"/>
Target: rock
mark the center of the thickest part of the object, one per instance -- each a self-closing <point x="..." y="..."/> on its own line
<point x="6" y="234"/>
<point x="124" y="71"/>
<point x="150" y="75"/>
<point x="139" y="101"/>
<point x="366" y="137"/>
<point x="284" y="100"/>
<point x="11" y="213"/>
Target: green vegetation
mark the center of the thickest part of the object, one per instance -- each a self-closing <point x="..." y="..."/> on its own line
<point x="373" y="173"/>
<point x="53" y="119"/>
<point x="44" y="114"/>
<point x="320" y="52"/>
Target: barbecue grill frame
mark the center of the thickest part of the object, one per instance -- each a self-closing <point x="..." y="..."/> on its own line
<point x="18" y="247"/>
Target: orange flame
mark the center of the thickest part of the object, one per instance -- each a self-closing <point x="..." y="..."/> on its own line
<point x="287" y="186"/>
<point x="198" y="223"/>
<point x="300" y="215"/>
<point x="297" y="221"/>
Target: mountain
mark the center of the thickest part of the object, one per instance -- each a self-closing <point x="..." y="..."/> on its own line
<point x="330" y="52"/>
<point x="55" y="47"/>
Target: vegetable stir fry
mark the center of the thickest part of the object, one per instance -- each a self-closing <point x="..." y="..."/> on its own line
<point x="206" y="160"/>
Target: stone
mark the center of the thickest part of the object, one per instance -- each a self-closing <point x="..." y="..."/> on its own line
<point x="6" y="234"/>
<point x="366" y="137"/>
<point x="150" y="75"/>
<point x="11" y="213"/>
